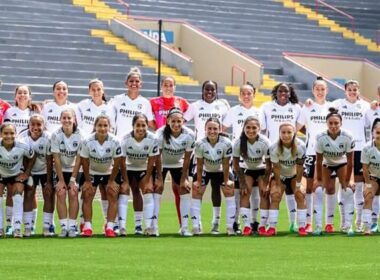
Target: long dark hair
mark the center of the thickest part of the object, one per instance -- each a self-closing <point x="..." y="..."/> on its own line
<point x="98" y="81"/>
<point x="167" y="130"/>
<point x="213" y="119"/>
<point x="134" y="120"/>
<point x="98" y="118"/>
<point x="244" y="139"/>
<point x="293" y="98"/>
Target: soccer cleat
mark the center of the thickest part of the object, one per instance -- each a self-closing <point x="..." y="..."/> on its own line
<point x="8" y="231"/>
<point x="109" y="232"/>
<point x="28" y="232"/>
<point x="350" y="232"/>
<point x="231" y="232"/>
<point x="236" y="227"/>
<point x="46" y="233"/>
<point x="302" y="231"/>
<point x="81" y="227"/>
<point x="17" y="233"/>
<point x="87" y="232"/>
<point x="52" y="230"/>
<point x="309" y="228"/>
<point x="359" y="228"/>
<point x="196" y="231"/>
<point x="215" y="229"/>
<point x="261" y="231"/>
<point x="186" y="233"/>
<point x="63" y="233"/>
<point x="116" y="229"/>
<point x="271" y="232"/>
<point x="293" y="228"/>
<point x="247" y="231"/>
<point x="154" y="232"/>
<point x="317" y="231"/>
<point x="138" y="230"/>
<point x="122" y="232"/>
<point x="374" y="227"/>
<point x="72" y="232"/>
<point x="148" y="231"/>
<point x="329" y="228"/>
<point x="255" y="227"/>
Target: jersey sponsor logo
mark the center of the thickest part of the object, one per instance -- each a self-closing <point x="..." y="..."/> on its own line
<point x="209" y="115"/>
<point x="137" y="156"/>
<point x="101" y="160"/>
<point x="287" y="162"/>
<point x="53" y="118"/>
<point x="174" y="151"/>
<point x="282" y="117"/>
<point x="352" y="114"/>
<point x="88" y="119"/>
<point x="318" y="118"/>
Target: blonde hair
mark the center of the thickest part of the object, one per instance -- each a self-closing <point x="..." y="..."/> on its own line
<point x="134" y="71"/>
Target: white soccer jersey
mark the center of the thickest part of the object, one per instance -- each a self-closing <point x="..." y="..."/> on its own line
<point x="41" y="148"/>
<point x="370" y="117"/>
<point x="20" y="118"/>
<point x="334" y="151"/>
<point x="174" y="151"/>
<point x="236" y="117"/>
<point x="273" y="115"/>
<point x="314" y="118"/>
<point x="287" y="161"/>
<point x="353" y="115"/>
<point x="257" y="153"/>
<point x="371" y="156"/>
<point x="52" y="113"/>
<point x="213" y="155"/>
<point x="88" y="112"/>
<point x="124" y="109"/>
<point x="200" y="111"/>
<point x="67" y="147"/>
<point x="137" y="153"/>
<point x="101" y="155"/>
<point x="11" y="161"/>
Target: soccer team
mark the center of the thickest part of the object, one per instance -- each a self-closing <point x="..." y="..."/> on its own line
<point x="129" y="144"/>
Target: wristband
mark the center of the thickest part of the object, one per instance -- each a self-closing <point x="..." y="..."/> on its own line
<point x="298" y="185"/>
<point x="73" y="179"/>
<point x="368" y="186"/>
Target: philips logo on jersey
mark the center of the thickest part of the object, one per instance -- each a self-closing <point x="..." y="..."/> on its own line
<point x="287" y="162"/>
<point x="102" y="160"/>
<point x="352" y="115"/>
<point x="209" y="115"/>
<point x="318" y="118"/>
<point x="171" y="151"/>
<point x="53" y="118"/>
<point x="282" y="117"/>
<point x="89" y="119"/>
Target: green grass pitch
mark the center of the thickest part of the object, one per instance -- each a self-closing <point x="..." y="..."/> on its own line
<point x="171" y="256"/>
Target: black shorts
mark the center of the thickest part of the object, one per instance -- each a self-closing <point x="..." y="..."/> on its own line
<point x="39" y="180"/>
<point x="309" y="167"/>
<point x="287" y="181"/>
<point x="215" y="178"/>
<point x="176" y="174"/>
<point x="97" y="180"/>
<point x="334" y="169"/>
<point x="66" y="177"/>
<point x="10" y="180"/>
<point x="236" y="178"/>
<point x="358" y="166"/>
<point x="136" y="176"/>
<point x="254" y="174"/>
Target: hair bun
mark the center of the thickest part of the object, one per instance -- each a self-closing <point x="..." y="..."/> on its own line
<point x="319" y="78"/>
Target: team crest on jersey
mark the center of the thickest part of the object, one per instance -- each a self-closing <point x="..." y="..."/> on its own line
<point x="341" y="146"/>
<point x="75" y="144"/>
<point x="290" y="110"/>
<point x="183" y="143"/>
<point x="108" y="150"/>
<point x="146" y="148"/>
<point x="139" y="106"/>
<point x="258" y="151"/>
<point x="218" y="152"/>
<point x="103" y="112"/>
<point x="217" y="107"/>
<point x="15" y="157"/>
<point x="40" y="147"/>
<point x="359" y="106"/>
